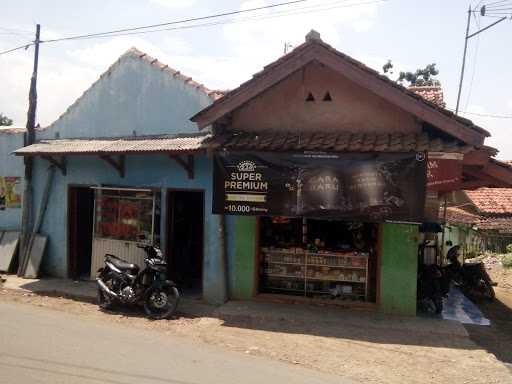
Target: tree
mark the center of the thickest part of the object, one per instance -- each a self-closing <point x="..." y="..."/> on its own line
<point x="4" y="120"/>
<point x="421" y="77"/>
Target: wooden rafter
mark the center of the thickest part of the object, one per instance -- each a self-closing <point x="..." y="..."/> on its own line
<point x="59" y="163"/>
<point x="186" y="162"/>
<point x="118" y="165"/>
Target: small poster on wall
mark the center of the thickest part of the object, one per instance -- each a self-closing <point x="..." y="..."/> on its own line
<point x="10" y="192"/>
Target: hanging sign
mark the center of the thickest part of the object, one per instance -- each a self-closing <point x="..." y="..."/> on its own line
<point x="444" y="171"/>
<point x="371" y="187"/>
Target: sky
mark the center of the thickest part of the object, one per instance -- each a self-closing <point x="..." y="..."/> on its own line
<point x="411" y="33"/>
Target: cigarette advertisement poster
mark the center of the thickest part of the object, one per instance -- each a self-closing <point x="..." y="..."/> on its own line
<point x="369" y="187"/>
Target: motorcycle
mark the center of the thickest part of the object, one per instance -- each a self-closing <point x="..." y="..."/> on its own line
<point x="471" y="277"/>
<point x="432" y="288"/>
<point x="120" y="282"/>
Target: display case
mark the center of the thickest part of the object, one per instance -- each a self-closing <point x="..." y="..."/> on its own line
<point x="326" y="274"/>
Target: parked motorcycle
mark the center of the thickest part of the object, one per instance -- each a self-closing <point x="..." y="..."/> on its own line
<point x="432" y="287"/>
<point x="471" y="277"/>
<point x="120" y="282"/>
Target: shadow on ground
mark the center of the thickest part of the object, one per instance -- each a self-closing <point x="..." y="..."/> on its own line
<point x="496" y="338"/>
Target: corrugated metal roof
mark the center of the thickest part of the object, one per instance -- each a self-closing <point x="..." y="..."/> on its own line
<point x="336" y="142"/>
<point x="119" y="145"/>
<point x="11" y="129"/>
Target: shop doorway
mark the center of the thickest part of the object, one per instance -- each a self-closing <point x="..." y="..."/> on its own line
<point x="80" y="228"/>
<point x="185" y="227"/>
<point x="319" y="258"/>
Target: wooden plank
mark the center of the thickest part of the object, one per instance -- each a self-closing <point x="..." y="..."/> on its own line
<point x="8" y="247"/>
<point x="36" y="250"/>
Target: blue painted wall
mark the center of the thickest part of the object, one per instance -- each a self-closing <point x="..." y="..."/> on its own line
<point x="133" y="95"/>
<point x="10" y="140"/>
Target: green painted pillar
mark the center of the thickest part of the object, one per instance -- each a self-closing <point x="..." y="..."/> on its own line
<point x="399" y="265"/>
<point x="244" y="263"/>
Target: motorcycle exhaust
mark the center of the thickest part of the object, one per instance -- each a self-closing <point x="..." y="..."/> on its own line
<point x="106" y="289"/>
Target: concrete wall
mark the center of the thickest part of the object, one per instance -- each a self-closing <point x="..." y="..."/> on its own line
<point x="353" y="109"/>
<point x="399" y="268"/>
<point x="132" y="96"/>
<point x="155" y="171"/>
<point x="242" y="243"/>
<point x="10" y="140"/>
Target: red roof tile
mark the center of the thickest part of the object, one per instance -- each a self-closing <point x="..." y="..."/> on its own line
<point x="456" y="215"/>
<point x="492" y="201"/>
<point x="334" y="142"/>
<point x="434" y="94"/>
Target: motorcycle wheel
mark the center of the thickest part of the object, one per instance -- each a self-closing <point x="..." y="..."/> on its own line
<point x="160" y="303"/>
<point x="488" y="290"/>
<point x="438" y="304"/>
<point x="104" y="302"/>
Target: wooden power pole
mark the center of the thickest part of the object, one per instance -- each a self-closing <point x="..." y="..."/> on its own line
<point x="26" y="217"/>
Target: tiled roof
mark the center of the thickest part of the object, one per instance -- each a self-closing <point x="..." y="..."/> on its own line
<point x="319" y="43"/>
<point x="492" y="201"/>
<point x="433" y="94"/>
<point x="335" y="142"/>
<point x="119" y="145"/>
<point x="456" y="215"/>
<point x="500" y="224"/>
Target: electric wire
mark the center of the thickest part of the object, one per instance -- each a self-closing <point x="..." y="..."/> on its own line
<point x="483" y="114"/>
<point x="297" y="11"/>
<point x="475" y="59"/>
<point x="223" y="14"/>
<point x="24" y="46"/>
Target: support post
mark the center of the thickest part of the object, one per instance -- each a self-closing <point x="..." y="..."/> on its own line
<point x="118" y="165"/>
<point x="59" y="164"/>
<point x="463" y="61"/>
<point x="26" y="215"/>
<point x="188" y="164"/>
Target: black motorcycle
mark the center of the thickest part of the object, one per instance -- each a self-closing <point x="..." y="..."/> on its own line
<point x="120" y="282"/>
<point x="471" y="277"/>
<point x="432" y="287"/>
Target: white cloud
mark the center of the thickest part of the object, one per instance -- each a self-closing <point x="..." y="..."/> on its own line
<point x="174" y="3"/>
<point x="510" y="103"/>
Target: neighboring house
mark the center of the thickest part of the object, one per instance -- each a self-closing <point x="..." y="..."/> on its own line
<point x="11" y="178"/>
<point x="494" y="205"/>
<point x="128" y="162"/>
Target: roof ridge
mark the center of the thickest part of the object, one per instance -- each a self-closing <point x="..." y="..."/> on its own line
<point x="135" y="52"/>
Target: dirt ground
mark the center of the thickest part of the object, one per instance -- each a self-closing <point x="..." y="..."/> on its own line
<point x="369" y="356"/>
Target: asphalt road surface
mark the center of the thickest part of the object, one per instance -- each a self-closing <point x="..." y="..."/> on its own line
<point x="39" y="345"/>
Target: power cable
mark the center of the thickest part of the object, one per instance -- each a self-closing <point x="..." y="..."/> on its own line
<point x="233" y="21"/>
<point x="483" y="114"/>
<point x="223" y="14"/>
<point x="24" y="46"/>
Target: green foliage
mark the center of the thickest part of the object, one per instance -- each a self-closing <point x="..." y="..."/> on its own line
<point x="509" y="248"/>
<point x="421" y="77"/>
<point x="507" y="261"/>
<point x="4" y="120"/>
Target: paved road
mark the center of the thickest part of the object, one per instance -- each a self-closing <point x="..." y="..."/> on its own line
<point x="39" y="345"/>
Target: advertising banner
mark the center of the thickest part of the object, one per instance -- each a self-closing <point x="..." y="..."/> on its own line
<point x="444" y="171"/>
<point x="10" y="192"/>
<point x="365" y="187"/>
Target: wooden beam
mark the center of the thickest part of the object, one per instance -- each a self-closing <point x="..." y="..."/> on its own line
<point x="500" y="173"/>
<point x="61" y="164"/>
<point x="118" y="165"/>
<point x="478" y="157"/>
<point x="186" y="162"/>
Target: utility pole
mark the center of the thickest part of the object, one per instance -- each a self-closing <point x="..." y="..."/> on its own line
<point x="483" y="11"/>
<point x="30" y="136"/>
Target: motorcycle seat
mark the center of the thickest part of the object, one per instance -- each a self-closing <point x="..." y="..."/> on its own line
<point x="121" y="264"/>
